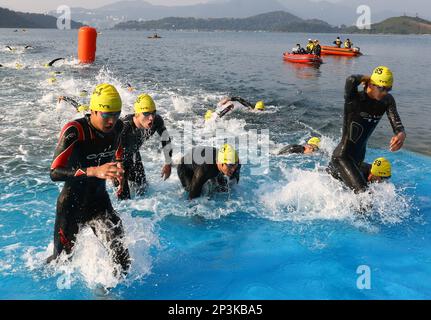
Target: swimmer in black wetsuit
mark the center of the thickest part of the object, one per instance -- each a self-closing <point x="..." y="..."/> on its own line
<point x="51" y="63"/>
<point x="79" y="107"/>
<point x="203" y="164"/>
<point x="311" y="146"/>
<point x="362" y="112"/>
<point x="84" y="160"/>
<point x="377" y="172"/>
<point x="138" y="128"/>
<point x="228" y="105"/>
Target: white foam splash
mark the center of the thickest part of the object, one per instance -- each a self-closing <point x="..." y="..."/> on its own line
<point x="314" y="195"/>
<point x="91" y="261"/>
<point x="181" y="104"/>
<point x="11" y="247"/>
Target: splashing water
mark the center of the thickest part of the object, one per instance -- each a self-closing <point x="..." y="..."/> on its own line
<point x="289" y="231"/>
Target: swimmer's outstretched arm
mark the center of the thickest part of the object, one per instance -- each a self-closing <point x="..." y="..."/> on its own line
<point x="242" y="101"/>
<point x="166" y="141"/>
<point x="394" y="117"/>
<point x="398" y="139"/>
<point x="73" y="102"/>
<point x="50" y="64"/>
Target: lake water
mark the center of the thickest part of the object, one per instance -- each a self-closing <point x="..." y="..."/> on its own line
<point x="289" y="232"/>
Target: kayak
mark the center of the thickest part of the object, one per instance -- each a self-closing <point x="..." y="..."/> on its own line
<point x="330" y="50"/>
<point x="302" y="58"/>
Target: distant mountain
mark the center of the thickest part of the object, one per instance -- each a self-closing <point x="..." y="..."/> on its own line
<point x="337" y="14"/>
<point x="272" y="21"/>
<point x="111" y="14"/>
<point x="14" y="19"/>
<point x="279" y="21"/>
<point x="398" y="25"/>
<point x="138" y="9"/>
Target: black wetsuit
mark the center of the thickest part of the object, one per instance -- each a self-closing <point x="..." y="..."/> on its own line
<point x="293" y="148"/>
<point x="84" y="200"/>
<point x="365" y="170"/>
<point x="132" y="140"/>
<point x="225" y="108"/>
<point x="51" y="63"/>
<point x="200" y="165"/>
<point x="73" y="102"/>
<point x="361" y="116"/>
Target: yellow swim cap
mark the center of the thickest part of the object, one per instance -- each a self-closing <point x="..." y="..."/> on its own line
<point x="82" y="108"/>
<point x="105" y="98"/>
<point x="52" y="80"/>
<point x="83" y="93"/>
<point x="208" y="115"/>
<point x="144" y="103"/>
<point x="315" y="141"/>
<point x="18" y="65"/>
<point x="381" y="168"/>
<point x="382" y="76"/>
<point x="227" y="155"/>
<point x="260" y="106"/>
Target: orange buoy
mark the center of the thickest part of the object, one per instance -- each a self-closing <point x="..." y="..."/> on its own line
<point x="87" y="44"/>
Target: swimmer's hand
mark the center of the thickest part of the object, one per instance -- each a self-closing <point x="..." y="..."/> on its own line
<point x="365" y="80"/>
<point x="120" y="181"/>
<point x="108" y="171"/>
<point x="397" y="141"/>
<point x="166" y="171"/>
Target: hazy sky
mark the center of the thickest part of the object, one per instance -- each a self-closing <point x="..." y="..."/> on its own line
<point x="49" y="5"/>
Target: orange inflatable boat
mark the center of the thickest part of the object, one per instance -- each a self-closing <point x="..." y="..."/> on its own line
<point x="302" y="58"/>
<point x="330" y="50"/>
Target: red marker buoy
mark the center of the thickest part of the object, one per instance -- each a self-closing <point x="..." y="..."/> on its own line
<point x="87" y="44"/>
